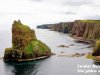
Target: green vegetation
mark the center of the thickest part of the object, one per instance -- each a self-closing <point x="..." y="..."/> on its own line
<point x="96" y="50"/>
<point x="91" y="21"/>
<point x="89" y="56"/>
<point x="29" y="49"/>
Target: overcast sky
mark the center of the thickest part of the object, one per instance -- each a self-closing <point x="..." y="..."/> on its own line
<point x="48" y="11"/>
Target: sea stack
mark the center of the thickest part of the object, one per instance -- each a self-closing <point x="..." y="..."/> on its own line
<point x="25" y="45"/>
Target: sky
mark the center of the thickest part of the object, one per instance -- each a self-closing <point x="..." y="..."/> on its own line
<point x="37" y="12"/>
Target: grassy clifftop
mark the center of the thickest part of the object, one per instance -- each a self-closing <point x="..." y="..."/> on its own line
<point x="91" y="21"/>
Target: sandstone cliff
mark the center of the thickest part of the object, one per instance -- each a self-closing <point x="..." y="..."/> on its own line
<point x="25" y="45"/>
<point x="88" y="29"/>
<point x="62" y="27"/>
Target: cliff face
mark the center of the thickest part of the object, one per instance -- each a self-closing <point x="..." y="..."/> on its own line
<point x="44" y="26"/>
<point x="62" y="27"/>
<point x="25" y="45"/>
<point x="88" y="29"/>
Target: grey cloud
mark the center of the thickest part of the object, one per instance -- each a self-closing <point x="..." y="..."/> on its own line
<point x="69" y="2"/>
<point x="70" y="13"/>
<point x="95" y="5"/>
<point x="36" y="0"/>
<point x="78" y="2"/>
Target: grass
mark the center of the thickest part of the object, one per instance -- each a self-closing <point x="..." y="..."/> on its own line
<point x="36" y="47"/>
<point x="39" y="46"/>
<point x="91" y="21"/>
<point x="21" y="26"/>
<point x="8" y="50"/>
<point x="96" y="58"/>
<point x="89" y="56"/>
<point x="29" y="49"/>
<point x="97" y="46"/>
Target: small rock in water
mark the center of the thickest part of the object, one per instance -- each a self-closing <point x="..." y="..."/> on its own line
<point x="53" y="53"/>
<point x="77" y="53"/>
<point x="71" y="44"/>
<point x="63" y="46"/>
<point x="61" y="52"/>
<point x="89" y="52"/>
<point x="67" y="46"/>
<point x="82" y="54"/>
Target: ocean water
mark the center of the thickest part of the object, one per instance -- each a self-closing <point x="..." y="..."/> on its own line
<point x="54" y="65"/>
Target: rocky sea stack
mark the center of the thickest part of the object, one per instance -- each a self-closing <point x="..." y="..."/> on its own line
<point x="25" y="45"/>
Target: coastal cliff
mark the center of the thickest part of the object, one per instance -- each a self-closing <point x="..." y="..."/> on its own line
<point x="47" y="26"/>
<point x="88" y="30"/>
<point x="64" y="27"/>
<point x="25" y="45"/>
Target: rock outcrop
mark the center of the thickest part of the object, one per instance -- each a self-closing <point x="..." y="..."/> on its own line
<point x="25" y="45"/>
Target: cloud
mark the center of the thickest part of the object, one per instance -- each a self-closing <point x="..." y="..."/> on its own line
<point x="48" y="11"/>
<point x="70" y="13"/>
<point x="36" y="0"/>
<point x="96" y="17"/>
<point x="78" y="2"/>
<point x="68" y="2"/>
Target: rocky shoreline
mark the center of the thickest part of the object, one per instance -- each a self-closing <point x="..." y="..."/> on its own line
<point x="32" y="59"/>
<point x="82" y="40"/>
<point x="74" y="54"/>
